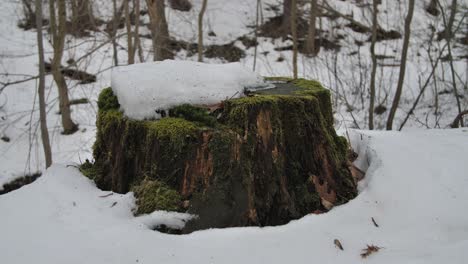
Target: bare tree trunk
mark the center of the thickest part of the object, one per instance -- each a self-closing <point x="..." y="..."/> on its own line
<point x="41" y="92"/>
<point x="426" y="84"/>
<point x="128" y="25"/>
<point x="311" y="49"/>
<point x="257" y="15"/>
<point x="286" y="21"/>
<point x="374" y="64"/>
<point x="136" y="6"/>
<point x="58" y="29"/>
<point x="115" y="25"/>
<point x="159" y="30"/>
<point x="200" y="31"/>
<point x="294" y="36"/>
<point x="449" y="26"/>
<point x="82" y="16"/>
<point x="448" y="34"/>
<point x="404" y="54"/>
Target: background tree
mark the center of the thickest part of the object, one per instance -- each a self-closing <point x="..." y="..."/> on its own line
<point x="404" y="55"/>
<point x="58" y="31"/>
<point x="130" y="36"/>
<point x="29" y="20"/>
<point x="136" y="11"/>
<point x="374" y="63"/>
<point x="257" y="17"/>
<point x="311" y="32"/>
<point x="448" y="34"/>
<point x="200" y="30"/>
<point x="41" y="87"/>
<point x="82" y="18"/>
<point x="113" y="32"/>
<point x="286" y="19"/>
<point x="294" y="35"/>
<point x="159" y="30"/>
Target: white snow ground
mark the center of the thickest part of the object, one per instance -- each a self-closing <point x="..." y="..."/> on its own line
<point x="415" y="189"/>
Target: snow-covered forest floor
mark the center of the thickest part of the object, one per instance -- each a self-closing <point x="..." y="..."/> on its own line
<point x="415" y="190"/>
<point x="414" y="186"/>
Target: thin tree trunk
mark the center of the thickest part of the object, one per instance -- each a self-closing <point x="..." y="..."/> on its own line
<point x="159" y="30"/>
<point x="128" y="25"/>
<point x="82" y="16"/>
<point x="41" y="89"/>
<point x="136" y="6"/>
<point x="294" y="36"/>
<point x="404" y="54"/>
<point x="374" y="65"/>
<point x="115" y="25"/>
<point x="257" y="14"/>
<point x="200" y="31"/>
<point x="423" y="88"/>
<point x="448" y="37"/>
<point x="449" y="26"/>
<point x="312" y="28"/>
<point x="286" y="21"/>
<point x="58" y="35"/>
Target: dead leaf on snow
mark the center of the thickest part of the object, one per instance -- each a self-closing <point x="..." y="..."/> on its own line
<point x="369" y="250"/>
<point x="338" y="244"/>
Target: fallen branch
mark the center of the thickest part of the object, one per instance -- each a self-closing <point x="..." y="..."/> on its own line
<point x="81" y="76"/>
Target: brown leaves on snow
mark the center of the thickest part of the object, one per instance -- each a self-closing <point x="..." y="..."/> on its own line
<point x="338" y="244"/>
<point x="369" y="250"/>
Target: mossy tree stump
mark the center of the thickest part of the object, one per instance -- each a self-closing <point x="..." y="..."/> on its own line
<point x="263" y="159"/>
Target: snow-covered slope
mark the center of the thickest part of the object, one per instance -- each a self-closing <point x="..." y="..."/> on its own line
<point x="415" y="189"/>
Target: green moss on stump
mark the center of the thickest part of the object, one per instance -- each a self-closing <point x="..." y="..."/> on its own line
<point x="90" y="170"/>
<point x="107" y="100"/>
<point x="172" y="129"/>
<point x="154" y="195"/>
<point x="195" y="114"/>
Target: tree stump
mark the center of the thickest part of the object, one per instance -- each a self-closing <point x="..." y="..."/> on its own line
<point x="263" y="159"/>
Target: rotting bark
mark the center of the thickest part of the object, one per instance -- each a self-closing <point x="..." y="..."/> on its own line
<point x="259" y="160"/>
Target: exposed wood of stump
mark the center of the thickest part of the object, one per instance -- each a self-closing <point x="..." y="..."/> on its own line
<point x="260" y="160"/>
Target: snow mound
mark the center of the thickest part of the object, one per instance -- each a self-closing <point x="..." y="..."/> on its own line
<point x="143" y="89"/>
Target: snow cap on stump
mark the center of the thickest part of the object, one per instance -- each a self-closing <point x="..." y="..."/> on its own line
<point x="144" y="89"/>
